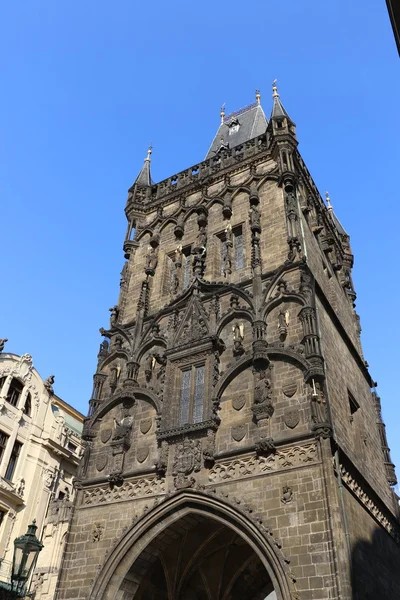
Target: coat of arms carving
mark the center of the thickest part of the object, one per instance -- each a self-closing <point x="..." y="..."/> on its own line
<point x="105" y="435"/>
<point x="238" y="432"/>
<point x="238" y="402"/>
<point x="101" y="462"/>
<point x="145" y="425"/>
<point x="291" y="418"/>
<point x="187" y="460"/>
<point x="142" y="453"/>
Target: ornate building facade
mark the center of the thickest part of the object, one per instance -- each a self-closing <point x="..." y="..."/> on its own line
<point x="40" y="448"/>
<point x="235" y="447"/>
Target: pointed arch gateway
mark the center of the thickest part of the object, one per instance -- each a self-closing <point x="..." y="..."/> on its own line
<point x="194" y="546"/>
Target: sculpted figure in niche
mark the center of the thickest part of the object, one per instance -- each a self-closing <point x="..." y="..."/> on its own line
<point x="151" y="259"/>
<point x="254" y="214"/>
<point x="201" y="242"/>
<point x="238" y="337"/>
<point x="149" y="364"/>
<point x="262" y="390"/>
<point x="319" y="410"/>
<point x="123" y="427"/>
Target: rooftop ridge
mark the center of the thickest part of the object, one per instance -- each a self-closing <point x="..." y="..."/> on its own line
<point x="241" y="111"/>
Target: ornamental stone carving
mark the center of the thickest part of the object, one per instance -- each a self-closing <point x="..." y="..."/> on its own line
<point x="283" y="458"/>
<point x="135" y="488"/>
<point x="145" y="425"/>
<point x="101" y="462"/>
<point x="142" y="453"/>
<point x="291" y="418"/>
<point x="263" y="407"/>
<point x="238" y="402"/>
<point x="238" y="432"/>
<point x="187" y="460"/>
<point x="105" y="435"/>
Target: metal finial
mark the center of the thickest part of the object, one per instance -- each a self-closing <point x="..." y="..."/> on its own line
<point x="275" y="89"/>
<point x="149" y="151"/>
<point x="258" y="96"/>
<point x="328" y="201"/>
<point x="222" y="113"/>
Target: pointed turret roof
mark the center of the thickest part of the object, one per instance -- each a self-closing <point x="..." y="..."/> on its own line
<point x="239" y="127"/>
<point x="278" y="110"/>
<point x="144" y="177"/>
<point x="341" y="230"/>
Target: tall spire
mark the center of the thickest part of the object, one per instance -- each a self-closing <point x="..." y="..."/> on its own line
<point x="144" y="177"/>
<point x="278" y="110"/>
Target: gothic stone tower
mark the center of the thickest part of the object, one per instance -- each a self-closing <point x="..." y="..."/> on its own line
<point x="234" y="449"/>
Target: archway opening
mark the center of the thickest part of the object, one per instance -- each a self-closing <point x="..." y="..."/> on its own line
<point x="197" y="558"/>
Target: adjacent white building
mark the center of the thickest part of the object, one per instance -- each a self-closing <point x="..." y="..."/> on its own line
<point x="40" y="449"/>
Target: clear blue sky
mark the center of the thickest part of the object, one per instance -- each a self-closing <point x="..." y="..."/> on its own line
<point x="87" y="85"/>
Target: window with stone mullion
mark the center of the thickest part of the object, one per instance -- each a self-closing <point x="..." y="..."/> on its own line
<point x="184" y="408"/>
<point x="198" y="402"/>
<point x="191" y="405"/>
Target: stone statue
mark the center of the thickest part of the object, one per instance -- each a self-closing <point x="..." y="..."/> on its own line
<point x="104" y="346"/>
<point x="123" y="427"/>
<point x="255" y="219"/>
<point x="149" y="364"/>
<point x="20" y="487"/>
<point x="48" y="384"/>
<point x="283" y="323"/>
<point x="262" y="390"/>
<point x="238" y="336"/>
<point x="114" y="312"/>
<point x="201" y="242"/>
<point x="152" y="259"/>
<point x="319" y="410"/>
<point x="2" y="343"/>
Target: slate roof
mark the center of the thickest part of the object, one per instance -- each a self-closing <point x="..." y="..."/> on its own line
<point x="252" y="123"/>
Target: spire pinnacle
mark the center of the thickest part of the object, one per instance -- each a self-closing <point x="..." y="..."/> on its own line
<point x="328" y="201"/>
<point x="275" y="89"/>
<point x="144" y="177"/>
<point x="222" y="113"/>
<point x="258" y="97"/>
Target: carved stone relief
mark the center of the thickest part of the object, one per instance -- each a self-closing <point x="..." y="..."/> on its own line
<point x="136" y="488"/>
<point x="101" y="462"/>
<point x="238" y="432"/>
<point x="142" y="453"/>
<point x="105" y="435"/>
<point x="239" y="402"/>
<point x="187" y="460"/>
<point x="145" y="425"/>
<point x="291" y="418"/>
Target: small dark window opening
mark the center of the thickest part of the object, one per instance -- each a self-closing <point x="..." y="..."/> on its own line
<point x="3" y="443"/>
<point x="14" y="392"/>
<point x="2" y="515"/>
<point x="61" y="495"/>
<point x="71" y="447"/>
<point x="279" y="124"/>
<point x="28" y="405"/>
<point x="2" y="382"/>
<point x="353" y="406"/>
<point x="12" y="463"/>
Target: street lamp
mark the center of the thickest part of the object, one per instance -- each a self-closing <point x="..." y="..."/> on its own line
<point x="26" y="551"/>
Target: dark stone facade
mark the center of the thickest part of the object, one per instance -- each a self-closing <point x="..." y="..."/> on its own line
<point x="234" y="448"/>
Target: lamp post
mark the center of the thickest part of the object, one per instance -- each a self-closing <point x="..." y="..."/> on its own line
<point x="26" y="551"/>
